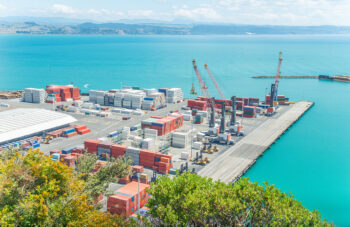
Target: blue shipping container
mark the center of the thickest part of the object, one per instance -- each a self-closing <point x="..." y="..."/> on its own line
<point x="113" y="134"/>
<point x="36" y="145"/>
<point x="71" y="130"/>
<point x="150" y="99"/>
<point x="67" y="150"/>
<point x="157" y="124"/>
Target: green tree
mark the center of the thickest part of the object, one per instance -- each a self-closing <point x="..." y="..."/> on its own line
<point x="96" y="183"/>
<point x="36" y="191"/>
<point x="189" y="199"/>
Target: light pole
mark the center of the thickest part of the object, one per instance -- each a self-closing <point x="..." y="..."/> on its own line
<point x="138" y="191"/>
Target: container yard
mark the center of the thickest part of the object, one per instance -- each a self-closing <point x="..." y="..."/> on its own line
<point x="158" y="130"/>
<point x="175" y="138"/>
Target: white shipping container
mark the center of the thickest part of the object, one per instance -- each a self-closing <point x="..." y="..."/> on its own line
<point x="197" y="145"/>
<point x="185" y="155"/>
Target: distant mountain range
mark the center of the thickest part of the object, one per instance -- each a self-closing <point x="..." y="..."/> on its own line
<point x="17" y="25"/>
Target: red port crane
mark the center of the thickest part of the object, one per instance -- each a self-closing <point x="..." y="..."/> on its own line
<point x="205" y="92"/>
<point x="202" y="85"/>
<point x="214" y="82"/>
<point x="278" y="74"/>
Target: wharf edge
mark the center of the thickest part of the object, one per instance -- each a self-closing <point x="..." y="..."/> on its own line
<point x="231" y="165"/>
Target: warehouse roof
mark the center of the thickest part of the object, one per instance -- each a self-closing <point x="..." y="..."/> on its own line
<point x="19" y="123"/>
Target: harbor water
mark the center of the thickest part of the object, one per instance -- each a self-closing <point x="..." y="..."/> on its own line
<point x="311" y="160"/>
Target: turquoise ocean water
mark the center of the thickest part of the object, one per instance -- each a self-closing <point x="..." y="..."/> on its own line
<point x="312" y="160"/>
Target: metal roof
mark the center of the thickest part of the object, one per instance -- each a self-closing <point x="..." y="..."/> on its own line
<point x="21" y="122"/>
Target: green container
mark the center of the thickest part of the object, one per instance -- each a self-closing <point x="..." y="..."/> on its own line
<point x="198" y="118"/>
<point x="248" y="113"/>
<point x="136" y="88"/>
<point x="172" y="171"/>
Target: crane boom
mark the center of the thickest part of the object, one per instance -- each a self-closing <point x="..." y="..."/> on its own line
<point x="202" y="85"/>
<point x="278" y="74"/>
<point x="214" y="82"/>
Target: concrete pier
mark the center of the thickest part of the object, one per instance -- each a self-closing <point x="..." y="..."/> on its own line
<point x="239" y="158"/>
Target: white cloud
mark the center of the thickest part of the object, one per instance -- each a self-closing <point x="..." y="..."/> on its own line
<point x="283" y="12"/>
<point x="140" y="13"/>
<point x="94" y="11"/>
<point x="198" y="14"/>
<point x="64" y="9"/>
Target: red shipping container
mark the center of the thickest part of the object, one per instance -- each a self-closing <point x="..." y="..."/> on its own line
<point x="165" y="160"/>
<point x="79" y="127"/>
<point x="71" y="134"/>
<point x="156" y="117"/>
<point x="248" y="116"/>
<point x="78" y="151"/>
<point x="147" y="158"/>
<point x="137" y="169"/>
<point x="84" y="131"/>
<point x="119" y="204"/>
<point x="124" y="180"/>
<point x="91" y="146"/>
<point x="118" y="150"/>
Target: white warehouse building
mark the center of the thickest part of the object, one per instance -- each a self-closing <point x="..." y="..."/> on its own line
<point x="22" y="123"/>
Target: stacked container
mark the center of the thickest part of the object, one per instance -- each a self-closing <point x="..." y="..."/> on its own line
<point x="150" y="133"/>
<point x="34" y="95"/>
<point x="70" y="132"/>
<point x="174" y="95"/>
<point x="148" y="103"/>
<point x="147" y="158"/>
<point x="163" y="125"/>
<point x="148" y="144"/>
<point x="66" y="95"/>
<point x="133" y="154"/>
<point x="118" y="99"/>
<point x="180" y="140"/>
<point x="198" y="119"/>
<point x="150" y="91"/>
<point x="126" y="199"/>
<point x="82" y="129"/>
<point x="118" y="151"/>
<point x="91" y="146"/>
<point x="162" y="163"/>
<point x="109" y="99"/>
<point x="249" y="111"/>
<point x="253" y="102"/>
<point x="197" y="104"/>
<point x="104" y="148"/>
<point x="62" y="93"/>
<point x="97" y="97"/>
<point x="125" y="133"/>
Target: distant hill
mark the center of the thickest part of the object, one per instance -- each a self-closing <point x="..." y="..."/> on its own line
<point x="65" y="26"/>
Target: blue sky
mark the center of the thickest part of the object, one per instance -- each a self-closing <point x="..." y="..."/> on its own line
<point x="284" y="12"/>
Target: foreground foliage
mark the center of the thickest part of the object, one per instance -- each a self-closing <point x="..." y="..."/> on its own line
<point x="97" y="183"/>
<point x="193" y="200"/>
<point x="34" y="190"/>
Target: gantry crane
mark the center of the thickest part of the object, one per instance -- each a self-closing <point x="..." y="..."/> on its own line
<point x="205" y="93"/>
<point x="214" y="82"/>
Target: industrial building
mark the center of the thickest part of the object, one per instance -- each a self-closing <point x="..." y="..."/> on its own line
<point x="22" y="123"/>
